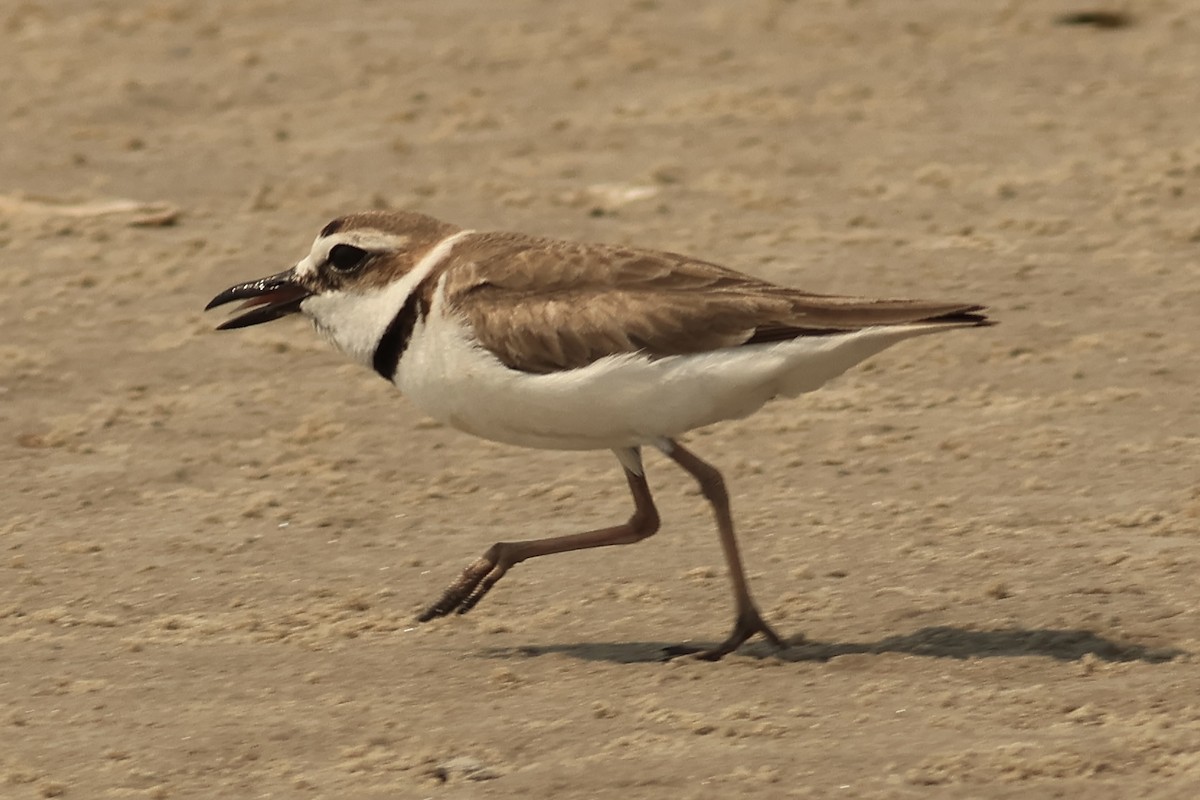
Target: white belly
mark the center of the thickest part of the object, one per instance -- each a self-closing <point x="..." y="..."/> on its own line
<point x="619" y="401"/>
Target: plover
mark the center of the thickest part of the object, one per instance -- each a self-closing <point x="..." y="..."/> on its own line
<point x="563" y="345"/>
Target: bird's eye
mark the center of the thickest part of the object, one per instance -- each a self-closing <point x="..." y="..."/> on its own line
<point x="347" y="257"/>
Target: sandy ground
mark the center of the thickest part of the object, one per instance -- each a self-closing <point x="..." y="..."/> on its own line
<point x="984" y="545"/>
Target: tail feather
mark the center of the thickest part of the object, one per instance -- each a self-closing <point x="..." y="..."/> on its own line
<point x="842" y="350"/>
<point x="971" y="315"/>
<point x="845" y="315"/>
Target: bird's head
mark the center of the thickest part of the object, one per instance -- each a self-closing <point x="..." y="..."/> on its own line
<point x="357" y="276"/>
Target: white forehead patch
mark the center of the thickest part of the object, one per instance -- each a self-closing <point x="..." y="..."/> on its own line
<point x="369" y="239"/>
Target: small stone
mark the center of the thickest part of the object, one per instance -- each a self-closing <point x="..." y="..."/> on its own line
<point x="998" y="591"/>
<point x="465" y="767"/>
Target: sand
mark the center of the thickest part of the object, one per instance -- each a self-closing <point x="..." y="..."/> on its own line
<point x="983" y="545"/>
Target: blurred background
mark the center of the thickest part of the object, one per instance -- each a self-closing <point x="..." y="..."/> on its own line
<point x="983" y="546"/>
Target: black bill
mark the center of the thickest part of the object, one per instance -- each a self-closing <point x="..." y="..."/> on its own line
<point x="268" y="298"/>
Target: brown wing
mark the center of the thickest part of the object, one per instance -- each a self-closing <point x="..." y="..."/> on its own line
<point x="543" y="306"/>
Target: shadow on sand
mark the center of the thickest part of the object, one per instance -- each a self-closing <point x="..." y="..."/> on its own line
<point x="934" y="642"/>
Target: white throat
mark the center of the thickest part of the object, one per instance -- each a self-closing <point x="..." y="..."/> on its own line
<point x="355" y="321"/>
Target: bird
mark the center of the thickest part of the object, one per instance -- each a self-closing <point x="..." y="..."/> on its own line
<point x="562" y="345"/>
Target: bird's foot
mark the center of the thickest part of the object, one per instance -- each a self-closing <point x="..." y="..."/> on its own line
<point x="747" y="623"/>
<point x="476" y="581"/>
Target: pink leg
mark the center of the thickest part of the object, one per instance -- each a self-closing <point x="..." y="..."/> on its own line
<point x="747" y="621"/>
<point x="479" y="578"/>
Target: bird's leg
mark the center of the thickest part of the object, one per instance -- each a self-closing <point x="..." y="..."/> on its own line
<point x="478" y="578"/>
<point x="747" y="621"/>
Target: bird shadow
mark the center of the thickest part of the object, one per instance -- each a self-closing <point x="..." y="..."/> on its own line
<point x="932" y="642"/>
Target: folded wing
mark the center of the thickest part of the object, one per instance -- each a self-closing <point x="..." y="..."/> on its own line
<point x="558" y="305"/>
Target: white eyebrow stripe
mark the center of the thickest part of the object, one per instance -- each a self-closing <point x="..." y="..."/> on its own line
<point x="371" y="239"/>
<point x="367" y="239"/>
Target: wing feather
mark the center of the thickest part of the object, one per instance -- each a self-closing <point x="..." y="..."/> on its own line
<point x="543" y="305"/>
